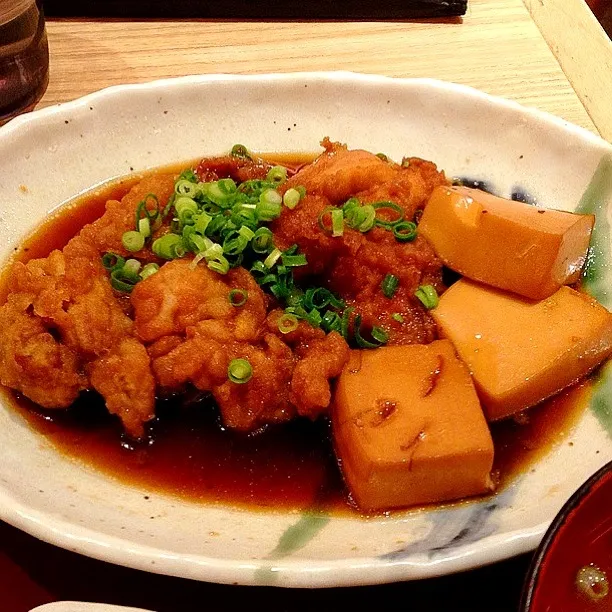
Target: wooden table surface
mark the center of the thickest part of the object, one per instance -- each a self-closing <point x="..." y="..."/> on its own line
<point x="497" y="47"/>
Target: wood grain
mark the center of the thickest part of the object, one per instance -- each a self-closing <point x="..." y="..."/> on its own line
<point x="584" y="51"/>
<point x="497" y="48"/>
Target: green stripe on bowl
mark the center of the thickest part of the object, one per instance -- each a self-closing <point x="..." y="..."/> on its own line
<point x="597" y="278"/>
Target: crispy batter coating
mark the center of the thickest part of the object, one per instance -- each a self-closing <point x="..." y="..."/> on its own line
<point x="355" y="264"/>
<point x="181" y="295"/>
<point x="228" y="166"/>
<point x="72" y="331"/>
<point x="63" y="328"/>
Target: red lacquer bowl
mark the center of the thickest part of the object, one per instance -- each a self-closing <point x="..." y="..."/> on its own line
<point x="572" y="568"/>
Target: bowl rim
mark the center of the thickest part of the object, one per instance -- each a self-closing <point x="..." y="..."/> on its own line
<point x="571" y="505"/>
<point x="298" y="572"/>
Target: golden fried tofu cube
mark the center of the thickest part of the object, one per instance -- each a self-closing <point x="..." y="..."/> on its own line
<point x="522" y="351"/>
<point x="408" y="427"/>
<point x="510" y="245"/>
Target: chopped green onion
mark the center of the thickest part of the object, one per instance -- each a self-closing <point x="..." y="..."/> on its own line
<point x="337" y="218"/>
<point x="388" y="206"/>
<point x="234" y="243"/>
<point x="406" y="231"/>
<point x="239" y="371"/>
<point x="389" y="285"/>
<point x="331" y="321"/>
<point x="396" y="316"/>
<point x="427" y="295"/>
<point x="291" y="198"/>
<point x="246" y="232"/>
<point x="321" y="220"/>
<point x="144" y="227"/>
<point x="184" y="187"/>
<point x="287" y="323"/>
<point x="215" y="250"/>
<point x="382" y="156"/>
<point x="292" y="261"/>
<point x="238" y="297"/>
<point x="149" y="270"/>
<point x="269" y="205"/>
<point x="221" y="191"/>
<point x="301" y="190"/>
<point x="185" y="206"/>
<point x="346" y="321"/>
<point x="131" y="268"/>
<point x="379" y="336"/>
<point x="277" y="175"/>
<point x="262" y="241"/>
<point x="218" y="264"/>
<point x="143" y="210"/>
<point x="200" y="222"/>
<point x="314" y="318"/>
<point x="272" y="258"/>
<point x="240" y="151"/>
<point x="120" y="283"/>
<point x="133" y="241"/>
<point x="370" y="216"/>
<point x="188" y="175"/>
<point x="351" y="204"/>
<point x="110" y="261"/>
<point x="169" y="246"/>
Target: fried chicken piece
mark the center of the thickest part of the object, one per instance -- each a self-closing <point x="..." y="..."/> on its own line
<point x="181" y="295"/>
<point x="320" y="362"/>
<point x="264" y="399"/>
<point x="339" y="173"/>
<point x="64" y="304"/>
<point x="410" y="188"/>
<point x="228" y="166"/>
<point x="355" y="264"/>
<point x="119" y="217"/>
<point x="123" y="377"/>
<point x="34" y="362"/>
<point x="319" y="358"/>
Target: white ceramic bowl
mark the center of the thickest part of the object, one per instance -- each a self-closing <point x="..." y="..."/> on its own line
<point x="61" y="151"/>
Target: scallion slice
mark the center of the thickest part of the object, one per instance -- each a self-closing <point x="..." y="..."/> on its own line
<point x="389" y="285"/>
<point x="238" y="297"/>
<point x="287" y="323"/>
<point x="396" y="316"/>
<point x="427" y="295"/>
<point x="380" y="206"/>
<point x="269" y="205"/>
<point x="277" y="175"/>
<point x="110" y="261"/>
<point x="184" y="187"/>
<point x="239" y="371"/>
<point x="169" y="246"/>
<point x="272" y="258"/>
<point x="406" y="231"/>
<point x="379" y="336"/>
<point x="133" y="241"/>
<point x="131" y="268"/>
<point x="291" y="198"/>
<point x="262" y="241"/>
<point x="337" y="218"/>
<point x="149" y="270"/>
<point x="144" y="227"/>
<point x="292" y="261"/>
<point x="240" y="151"/>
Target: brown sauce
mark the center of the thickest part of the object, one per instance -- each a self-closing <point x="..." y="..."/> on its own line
<point x="191" y="455"/>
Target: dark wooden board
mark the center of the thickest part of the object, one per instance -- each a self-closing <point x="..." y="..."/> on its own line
<point x="258" y="9"/>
